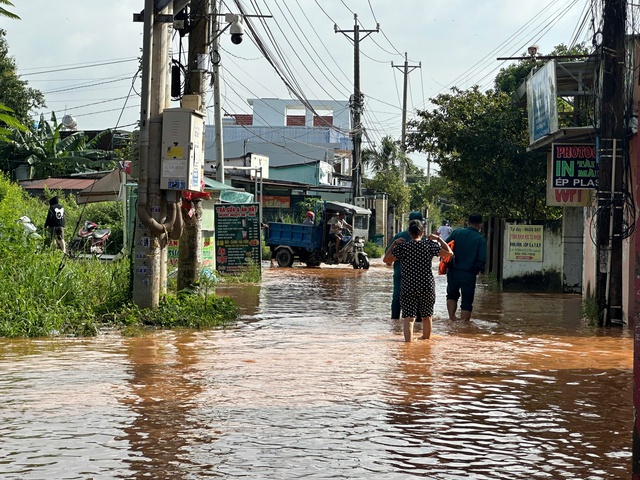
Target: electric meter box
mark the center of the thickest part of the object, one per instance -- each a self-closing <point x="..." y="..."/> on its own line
<point x="182" y="162"/>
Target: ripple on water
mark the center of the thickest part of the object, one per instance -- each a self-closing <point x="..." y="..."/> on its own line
<point x="315" y="382"/>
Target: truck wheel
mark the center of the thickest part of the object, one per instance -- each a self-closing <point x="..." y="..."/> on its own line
<point x="284" y="258"/>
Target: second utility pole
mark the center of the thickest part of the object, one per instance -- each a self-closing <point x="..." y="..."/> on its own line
<point x="357" y="101"/>
<point x="403" y="141"/>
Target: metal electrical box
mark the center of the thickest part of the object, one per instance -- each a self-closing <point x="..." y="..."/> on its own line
<point x="182" y="163"/>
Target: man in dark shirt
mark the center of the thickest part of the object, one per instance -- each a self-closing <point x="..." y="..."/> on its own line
<point x="470" y="257"/>
<point x="55" y="224"/>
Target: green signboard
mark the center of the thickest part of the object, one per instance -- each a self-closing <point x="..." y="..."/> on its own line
<point x="237" y="234"/>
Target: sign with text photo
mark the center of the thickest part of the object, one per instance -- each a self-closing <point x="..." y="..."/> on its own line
<point x="574" y="166"/>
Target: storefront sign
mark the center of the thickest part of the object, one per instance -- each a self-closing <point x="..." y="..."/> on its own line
<point x="525" y="243"/>
<point x="237" y="234"/>
<point x="276" y="201"/>
<point x="542" y="106"/>
<point x="574" y="166"/>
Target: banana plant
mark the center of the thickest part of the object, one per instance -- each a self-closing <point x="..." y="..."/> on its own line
<point x="48" y="154"/>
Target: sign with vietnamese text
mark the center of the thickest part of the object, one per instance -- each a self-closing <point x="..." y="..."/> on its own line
<point x="276" y="201"/>
<point x="574" y="166"/>
<point x="525" y="243"/>
<point x="542" y="106"/>
<point x="237" y="235"/>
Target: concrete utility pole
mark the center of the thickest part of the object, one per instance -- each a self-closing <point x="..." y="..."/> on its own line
<point x="406" y="69"/>
<point x="357" y="101"/>
<point x="217" y="103"/>
<point x="611" y="161"/>
<point x="155" y="213"/>
<point x="189" y="250"/>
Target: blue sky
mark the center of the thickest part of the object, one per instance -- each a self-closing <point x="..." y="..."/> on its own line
<point x="82" y="53"/>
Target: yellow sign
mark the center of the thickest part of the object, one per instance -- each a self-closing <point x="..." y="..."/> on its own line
<point x="525" y="243"/>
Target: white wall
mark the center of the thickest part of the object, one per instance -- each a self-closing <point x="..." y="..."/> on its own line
<point x="535" y="276"/>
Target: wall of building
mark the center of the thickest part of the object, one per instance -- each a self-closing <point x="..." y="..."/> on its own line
<point x="273" y="111"/>
<point x="297" y="173"/>
<point x="544" y="275"/>
<point x="572" y="238"/>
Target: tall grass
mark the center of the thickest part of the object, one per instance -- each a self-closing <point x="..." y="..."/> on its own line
<point x="43" y="292"/>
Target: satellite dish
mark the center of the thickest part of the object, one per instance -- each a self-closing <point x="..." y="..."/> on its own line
<point x="69" y="122"/>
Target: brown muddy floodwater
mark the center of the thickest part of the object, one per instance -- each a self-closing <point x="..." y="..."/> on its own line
<point x="315" y="382"/>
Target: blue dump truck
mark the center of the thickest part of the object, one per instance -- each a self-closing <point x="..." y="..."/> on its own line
<point x="310" y="243"/>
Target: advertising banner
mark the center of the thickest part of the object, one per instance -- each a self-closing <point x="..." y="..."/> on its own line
<point x="237" y="234"/>
<point x="525" y="243"/>
<point x="542" y="107"/>
<point x="574" y="166"/>
<point x="565" y="197"/>
<point x="276" y="201"/>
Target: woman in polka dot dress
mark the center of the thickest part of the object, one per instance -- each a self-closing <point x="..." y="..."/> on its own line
<point x="418" y="288"/>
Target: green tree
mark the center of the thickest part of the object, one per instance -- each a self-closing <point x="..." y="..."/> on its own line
<point x="6" y="13"/>
<point x="513" y="76"/>
<point x="8" y="122"/>
<point x="388" y="155"/>
<point x="14" y="92"/>
<point x="48" y="154"/>
<point x="479" y="141"/>
<point x="436" y="194"/>
<point x="389" y="182"/>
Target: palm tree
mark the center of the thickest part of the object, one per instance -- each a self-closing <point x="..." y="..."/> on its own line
<point x="389" y="156"/>
<point x="6" y="13"/>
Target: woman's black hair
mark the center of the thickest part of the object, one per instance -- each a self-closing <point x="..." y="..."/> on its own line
<point x="416" y="227"/>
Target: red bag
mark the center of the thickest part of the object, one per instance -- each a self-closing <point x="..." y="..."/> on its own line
<point x="444" y="262"/>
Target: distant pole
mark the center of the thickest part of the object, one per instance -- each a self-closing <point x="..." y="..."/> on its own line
<point x="357" y="103"/>
<point x="406" y="70"/>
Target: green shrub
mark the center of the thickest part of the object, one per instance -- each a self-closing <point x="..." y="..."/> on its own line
<point x="373" y="250"/>
<point x="43" y="292"/>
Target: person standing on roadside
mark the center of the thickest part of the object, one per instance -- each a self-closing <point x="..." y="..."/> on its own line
<point x="55" y="224"/>
<point x="444" y="230"/>
<point x="418" y="287"/>
<point x="397" y="269"/>
<point x="470" y="257"/>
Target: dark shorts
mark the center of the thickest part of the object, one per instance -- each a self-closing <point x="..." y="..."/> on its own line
<point x="56" y="233"/>
<point x="415" y="304"/>
<point x="461" y="285"/>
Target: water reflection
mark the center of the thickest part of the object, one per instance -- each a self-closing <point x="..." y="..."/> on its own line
<point x="165" y="385"/>
<point x="315" y="381"/>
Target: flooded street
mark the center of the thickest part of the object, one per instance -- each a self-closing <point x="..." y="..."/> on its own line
<point x="315" y="381"/>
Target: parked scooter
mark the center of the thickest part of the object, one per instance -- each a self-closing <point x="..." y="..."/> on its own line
<point x="90" y="240"/>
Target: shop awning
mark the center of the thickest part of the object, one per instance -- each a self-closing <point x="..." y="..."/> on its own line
<point x="106" y="189"/>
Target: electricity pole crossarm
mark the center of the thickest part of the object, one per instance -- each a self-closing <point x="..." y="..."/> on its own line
<point x="406" y="69"/>
<point x="356" y="103"/>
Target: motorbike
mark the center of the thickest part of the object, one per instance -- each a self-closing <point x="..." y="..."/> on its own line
<point x="90" y="239"/>
<point x="352" y="252"/>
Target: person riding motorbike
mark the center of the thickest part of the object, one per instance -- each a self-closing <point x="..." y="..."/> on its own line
<point x="336" y="226"/>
